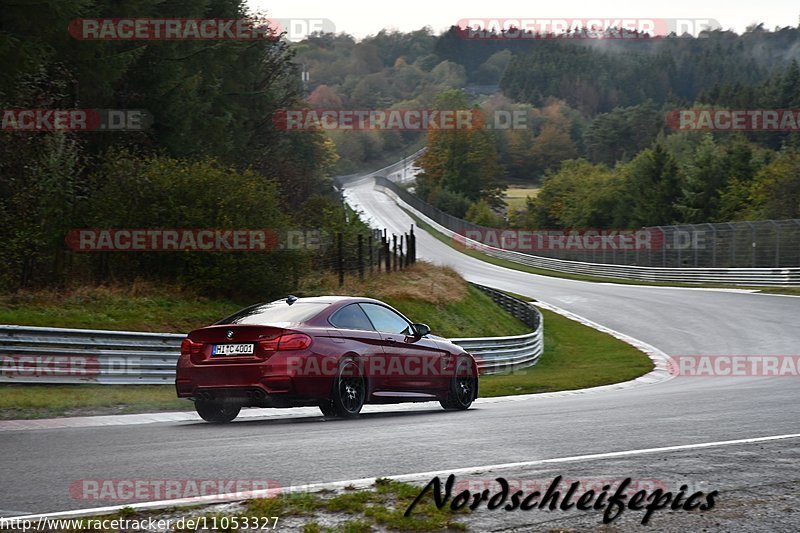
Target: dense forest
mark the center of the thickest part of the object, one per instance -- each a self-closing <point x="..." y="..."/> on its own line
<point x="211" y="158"/>
<point x="595" y="139"/>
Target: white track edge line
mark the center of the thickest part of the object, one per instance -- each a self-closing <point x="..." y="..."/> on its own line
<point x="367" y="482"/>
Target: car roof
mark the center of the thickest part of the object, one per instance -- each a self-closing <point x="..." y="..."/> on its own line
<point x="333" y="299"/>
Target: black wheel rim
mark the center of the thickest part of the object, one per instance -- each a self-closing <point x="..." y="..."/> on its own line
<point x="463" y="390"/>
<point x="351" y="393"/>
<point x="463" y="386"/>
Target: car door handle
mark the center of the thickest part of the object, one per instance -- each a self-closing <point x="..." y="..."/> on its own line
<point x="390" y="340"/>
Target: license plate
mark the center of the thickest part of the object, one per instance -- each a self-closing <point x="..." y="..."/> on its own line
<point x="232" y="349"/>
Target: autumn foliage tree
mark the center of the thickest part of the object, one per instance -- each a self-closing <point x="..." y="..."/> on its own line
<point x="462" y="161"/>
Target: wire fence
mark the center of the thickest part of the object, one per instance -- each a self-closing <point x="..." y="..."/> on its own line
<point x="366" y="253"/>
<point x="748" y="244"/>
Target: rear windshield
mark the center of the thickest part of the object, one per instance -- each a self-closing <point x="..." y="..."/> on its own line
<point x="275" y="313"/>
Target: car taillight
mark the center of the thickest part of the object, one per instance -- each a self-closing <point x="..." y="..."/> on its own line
<point x="191" y="349"/>
<point x="288" y="341"/>
<point x="294" y="341"/>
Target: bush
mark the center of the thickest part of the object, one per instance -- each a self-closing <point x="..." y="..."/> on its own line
<point x="481" y="213"/>
<point x="450" y="202"/>
<point x="166" y="193"/>
<point x="40" y="190"/>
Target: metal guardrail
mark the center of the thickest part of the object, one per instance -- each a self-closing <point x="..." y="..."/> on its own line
<point x="61" y="356"/>
<point x="503" y="354"/>
<point x="522" y="310"/>
<point x="779" y="276"/>
<point x="745" y="244"/>
<point x="55" y="355"/>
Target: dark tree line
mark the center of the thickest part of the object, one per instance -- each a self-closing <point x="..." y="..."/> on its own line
<point x="212" y="104"/>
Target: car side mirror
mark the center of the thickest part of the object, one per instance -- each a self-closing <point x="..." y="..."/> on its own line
<point x="420" y="330"/>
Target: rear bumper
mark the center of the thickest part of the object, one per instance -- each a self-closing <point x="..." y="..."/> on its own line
<point x="262" y="382"/>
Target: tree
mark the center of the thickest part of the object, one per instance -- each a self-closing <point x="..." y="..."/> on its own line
<point x="654" y="187"/>
<point x="551" y="147"/>
<point x="580" y="195"/>
<point x="703" y="179"/>
<point x="741" y="164"/>
<point x="324" y="97"/>
<point x="481" y="213"/>
<point x="775" y="193"/>
<point x="493" y="68"/>
<point x="622" y="133"/>
<point x="461" y="160"/>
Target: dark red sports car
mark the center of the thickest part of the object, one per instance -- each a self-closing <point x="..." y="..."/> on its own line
<point x="332" y="351"/>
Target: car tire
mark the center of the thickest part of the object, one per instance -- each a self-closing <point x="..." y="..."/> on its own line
<point x="349" y="392"/>
<point x="463" y="385"/>
<point x="216" y="411"/>
<point x="326" y="406"/>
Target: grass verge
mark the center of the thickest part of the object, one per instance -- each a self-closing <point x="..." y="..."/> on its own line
<point x="435" y="295"/>
<point x="516" y="197"/>
<point x="786" y="291"/>
<point x="575" y="357"/>
<point x="356" y="511"/>
<point x="27" y="401"/>
<point x="377" y="508"/>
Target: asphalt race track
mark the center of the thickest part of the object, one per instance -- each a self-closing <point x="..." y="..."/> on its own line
<point x="39" y="466"/>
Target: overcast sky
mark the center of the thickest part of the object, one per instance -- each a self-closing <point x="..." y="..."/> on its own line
<point x="361" y="18"/>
